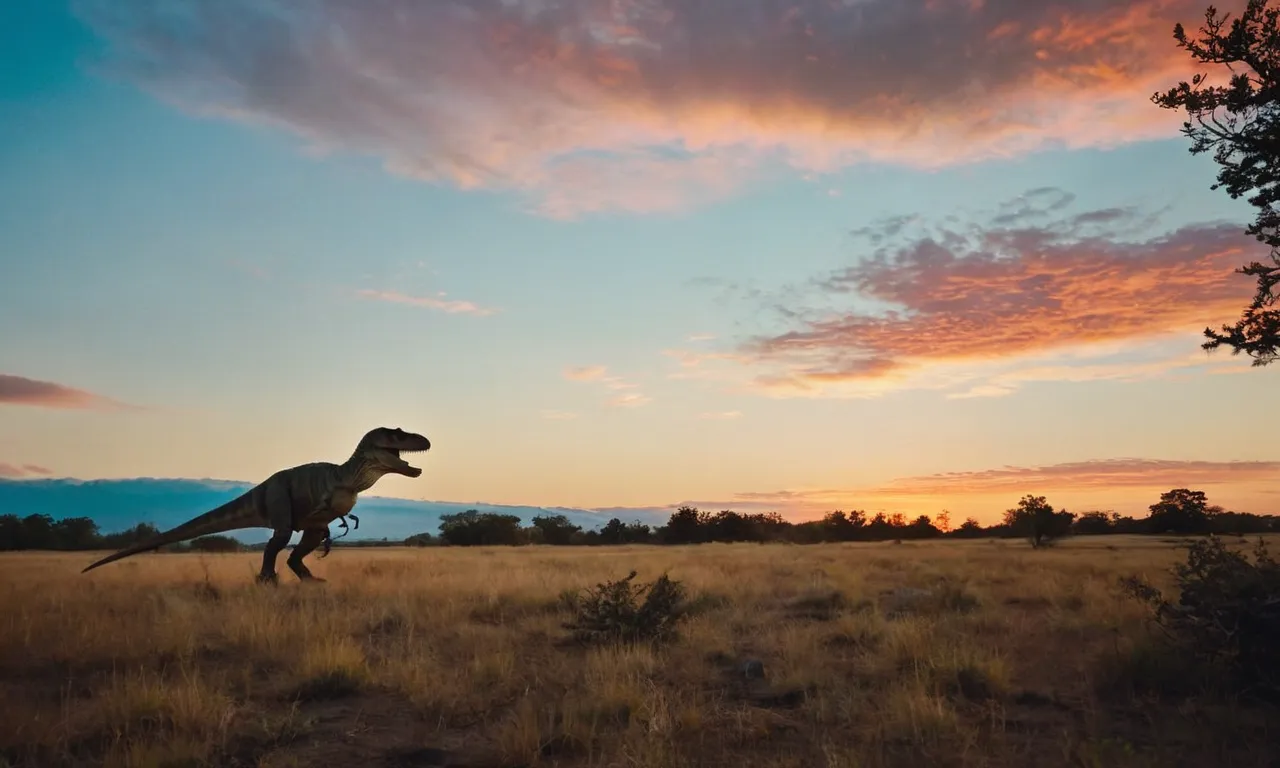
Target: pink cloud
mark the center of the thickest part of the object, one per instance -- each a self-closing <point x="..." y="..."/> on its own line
<point x="1035" y="294"/>
<point x="599" y="374"/>
<point x="19" y="390"/>
<point x="1129" y="483"/>
<point x="1095" y="474"/>
<point x="450" y="306"/>
<point x="13" y="471"/>
<point x="595" y="105"/>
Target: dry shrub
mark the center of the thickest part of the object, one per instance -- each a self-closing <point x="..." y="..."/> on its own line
<point x="612" y="612"/>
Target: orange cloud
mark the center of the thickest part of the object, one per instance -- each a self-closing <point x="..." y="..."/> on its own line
<point x="1125" y="484"/>
<point x="26" y="470"/>
<point x="1099" y="474"/>
<point x="451" y="306"/>
<point x="590" y="105"/>
<point x="586" y="373"/>
<point x="1036" y="294"/>
<point x="19" y="390"/>
<point x="599" y="373"/>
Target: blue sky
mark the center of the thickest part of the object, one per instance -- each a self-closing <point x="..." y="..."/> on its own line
<point x="173" y="241"/>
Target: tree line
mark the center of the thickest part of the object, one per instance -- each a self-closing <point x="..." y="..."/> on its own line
<point x="82" y="533"/>
<point x="1178" y="511"/>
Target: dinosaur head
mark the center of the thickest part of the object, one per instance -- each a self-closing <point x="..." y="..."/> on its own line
<point x="382" y="448"/>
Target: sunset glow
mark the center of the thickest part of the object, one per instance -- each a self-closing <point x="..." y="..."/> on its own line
<point x="892" y="255"/>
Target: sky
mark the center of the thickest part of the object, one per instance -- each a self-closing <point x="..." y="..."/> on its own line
<point x="898" y="255"/>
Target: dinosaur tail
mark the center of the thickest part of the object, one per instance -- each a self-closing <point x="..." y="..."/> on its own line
<point x="240" y="512"/>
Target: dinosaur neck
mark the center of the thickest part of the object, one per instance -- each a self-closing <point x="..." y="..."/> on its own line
<point x="360" y="473"/>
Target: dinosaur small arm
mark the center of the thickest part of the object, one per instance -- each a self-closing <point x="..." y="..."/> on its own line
<point x="303" y="498"/>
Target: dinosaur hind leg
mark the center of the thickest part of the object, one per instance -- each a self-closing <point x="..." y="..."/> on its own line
<point x="278" y="541"/>
<point x="311" y="538"/>
<point x="279" y="517"/>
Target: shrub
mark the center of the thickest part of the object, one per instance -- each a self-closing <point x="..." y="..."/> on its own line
<point x="1228" y="612"/>
<point x="613" y="613"/>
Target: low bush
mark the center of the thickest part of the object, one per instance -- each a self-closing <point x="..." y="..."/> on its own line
<point x="613" y="612"/>
<point x="1227" y="613"/>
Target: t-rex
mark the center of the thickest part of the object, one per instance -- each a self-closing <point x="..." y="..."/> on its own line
<point x="303" y="498"/>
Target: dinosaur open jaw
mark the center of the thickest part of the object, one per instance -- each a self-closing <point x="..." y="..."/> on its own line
<point x="405" y="468"/>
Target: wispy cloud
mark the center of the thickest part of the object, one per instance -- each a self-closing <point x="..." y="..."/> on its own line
<point x="437" y="302"/>
<point x="1035" y="293"/>
<point x="589" y="105"/>
<point x="721" y="415"/>
<point x="1091" y="475"/>
<point x="1117" y="477"/>
<point x="630" y="400"/>
<point x="586" y="373"/>
<point x="600" y="374"/>
<point x="19" y="390"/>
<point x="13" y="471"/>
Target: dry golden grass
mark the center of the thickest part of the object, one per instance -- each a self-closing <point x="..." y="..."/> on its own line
<point x="1014" y="657"/>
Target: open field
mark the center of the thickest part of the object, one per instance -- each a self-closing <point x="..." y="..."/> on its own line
<point x="1014" y="657"/>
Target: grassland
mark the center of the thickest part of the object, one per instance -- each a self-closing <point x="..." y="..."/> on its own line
<point x="408" y="657"/>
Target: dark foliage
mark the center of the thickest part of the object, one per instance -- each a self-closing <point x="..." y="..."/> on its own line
<point x="613" y="612"/>
<point x="1227" y="612"/>
<point x="1182" y="511"/>
<point x="555" y="529"/>
<point x="1240" y="123"/>
<point x="215" y="543"/>
<point x="1036" y="519"/>
<point x="473" y="528"/>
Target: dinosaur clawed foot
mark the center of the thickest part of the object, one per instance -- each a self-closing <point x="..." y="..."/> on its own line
<point x="268" y="578"/>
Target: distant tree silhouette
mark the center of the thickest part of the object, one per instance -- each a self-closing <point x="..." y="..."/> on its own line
<point x="1035" y="518"/>
<point x="943" y="521"/>
<point x="837" y="526"/>
<point x="215" y="543"/>
<point x="556" y="529"/>
<point x="1240" y="122"/>
<point x="1182" y="511"/>
<point x="475" y="529"/>
<point x="1095" y="523"/>
<point x="921" y="528"/>
<point x="683" y="527"/>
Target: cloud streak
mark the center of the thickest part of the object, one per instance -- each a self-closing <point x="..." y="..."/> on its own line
<point x="1119" y="475"/>
<point x="600" y="374"/>
<point x="20" y="390"/>
<point x="1100" y="474"/>
<point x="650" y="105"/>
<point x="438" y="303"/>
<point x="14" y="471"/>
<point x="1036" y="293"/>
